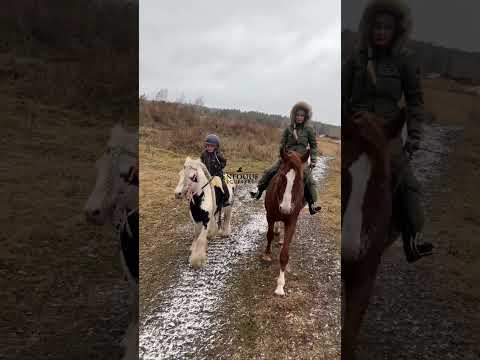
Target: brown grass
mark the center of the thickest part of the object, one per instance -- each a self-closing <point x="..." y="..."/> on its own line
<point x="330" y="193"/>
<point x="182" y="128"/>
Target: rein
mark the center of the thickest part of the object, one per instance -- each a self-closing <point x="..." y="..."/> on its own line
<point x="189" y="194"/>
<point x="208" y="182"/>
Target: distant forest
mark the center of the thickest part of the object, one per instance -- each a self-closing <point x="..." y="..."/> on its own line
<point x="276" y="121"/>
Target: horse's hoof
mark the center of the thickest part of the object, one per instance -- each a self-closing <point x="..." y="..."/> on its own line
<point x="196" y="263"/>
<point x="279" y="292"/>
<point x="267" y="258"/>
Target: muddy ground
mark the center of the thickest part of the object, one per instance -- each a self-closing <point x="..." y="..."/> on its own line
<point x="227" y="310"/>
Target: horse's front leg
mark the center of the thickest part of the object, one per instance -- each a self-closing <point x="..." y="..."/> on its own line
<point x="197" y="229"/>
<point x="358" y="288"/>
<point x="267" y="256"/>
<point x="130" y="342"/>
<point x="284" y="256"/>
<point x="227" y="230"/>
<point x="199" y="248"/>
<point x="212" y="227"/>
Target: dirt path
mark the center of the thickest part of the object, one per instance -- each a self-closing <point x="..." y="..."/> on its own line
<point x="416" y="311"/>
<point x="209" y="313"/>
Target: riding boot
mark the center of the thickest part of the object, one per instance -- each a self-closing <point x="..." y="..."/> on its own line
<point x="265" y="180"/>
<point x="310" y="193"/>
<point x="414" y="249"/>
<point x="412" y="219"/>
<point x="312" y="206"/>
<point x="257" y="194"/>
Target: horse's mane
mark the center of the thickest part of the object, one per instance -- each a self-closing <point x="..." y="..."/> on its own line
<point x="198" y="163"/>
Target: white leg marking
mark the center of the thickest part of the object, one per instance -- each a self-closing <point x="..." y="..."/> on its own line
<point x="226" y="222"/>
<point x="199" y="250"/>
<point x="286" y="204"/>
<point x="280" y="284"/>
<point x="352" y="224"/>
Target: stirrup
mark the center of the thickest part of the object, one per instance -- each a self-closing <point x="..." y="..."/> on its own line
<point x="414" y="250"/>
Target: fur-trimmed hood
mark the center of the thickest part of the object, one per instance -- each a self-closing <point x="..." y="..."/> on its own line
<point x="397" y="8"/>
<point x="304" y="106"/>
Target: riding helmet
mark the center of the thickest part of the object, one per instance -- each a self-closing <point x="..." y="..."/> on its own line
<point x="212" y="139"/>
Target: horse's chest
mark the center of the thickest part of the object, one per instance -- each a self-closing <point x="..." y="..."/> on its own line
<point x="353" y="238"/>
<point x="129" y="244"/>
<point x="366" y="213"/>
<point x="198" y="214"/>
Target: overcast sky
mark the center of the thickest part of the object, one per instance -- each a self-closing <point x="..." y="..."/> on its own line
<point x="452" y="24"/>
<point x="249" y="55"/>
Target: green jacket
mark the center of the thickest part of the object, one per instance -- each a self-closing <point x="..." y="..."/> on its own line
<point x="298" y="137"/>
<point x="396" y="75"/>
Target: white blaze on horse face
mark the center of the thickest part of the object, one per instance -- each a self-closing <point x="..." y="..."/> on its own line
<point x="286" y="204"/>
<point x="180" y="189"/>
<point x="108" y="183"/>
<point x="360" y="172"/>
<point x="101" y="195"/>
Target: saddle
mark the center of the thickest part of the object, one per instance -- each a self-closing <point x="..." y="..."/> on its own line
<point x="222" y="194"/>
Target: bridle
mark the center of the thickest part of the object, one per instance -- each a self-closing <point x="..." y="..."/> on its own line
<point x="114" y="152"/>
<point x="194" y="179"/>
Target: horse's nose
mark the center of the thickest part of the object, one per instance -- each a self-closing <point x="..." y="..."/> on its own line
<point x="178" y="195"/>
<point x="93" y="215"/>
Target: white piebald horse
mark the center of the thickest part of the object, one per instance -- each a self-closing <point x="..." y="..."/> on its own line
<point x="196" y="184"/>
<point x="114" y="199"/>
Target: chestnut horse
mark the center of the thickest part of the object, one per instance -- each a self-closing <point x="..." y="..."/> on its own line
<point x="283" y="201"/>
<point x="367" y="226"/>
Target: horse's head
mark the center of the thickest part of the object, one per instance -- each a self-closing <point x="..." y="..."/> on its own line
<point x="367" y="134"/>
<point x="113" y="169"/>
<point x="291" y="179"/>
<point x="191" y="177"/>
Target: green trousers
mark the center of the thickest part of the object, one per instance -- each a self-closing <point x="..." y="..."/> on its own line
<point x="407" y="199"/>
<point x="310" y="189"/>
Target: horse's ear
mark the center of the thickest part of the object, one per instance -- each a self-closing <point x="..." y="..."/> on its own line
<point x="283" y="154"/>
<point x="305" y="156"/>
<point x="393" y="128"/>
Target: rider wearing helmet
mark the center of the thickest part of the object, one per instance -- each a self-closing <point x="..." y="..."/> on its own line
<point x="215" y="162"/>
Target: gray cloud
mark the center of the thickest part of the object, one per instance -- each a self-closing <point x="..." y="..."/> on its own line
<point x="248" y="55"/>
